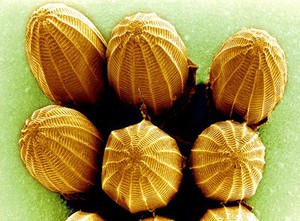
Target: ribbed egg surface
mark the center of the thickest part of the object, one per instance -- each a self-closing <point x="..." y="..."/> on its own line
<point x="233" y="213"/>
<point x="157" y="218"/>
<point x="84" y="216"/>
<point x="66" y="54"/>
<point x="248" y="76"/>
<point x="141" y="167"/>
<point x="227" y="160"/>
<point x="60" y="147"/>
<point x="147" y="62"/>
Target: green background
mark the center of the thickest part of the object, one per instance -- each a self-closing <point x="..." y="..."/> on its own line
<point x="203" y="26"/>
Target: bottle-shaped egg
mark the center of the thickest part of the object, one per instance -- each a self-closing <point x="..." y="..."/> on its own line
<point x="147" y="63"/>
<point x="248" y="76"/>
<point x="66" y="54"/>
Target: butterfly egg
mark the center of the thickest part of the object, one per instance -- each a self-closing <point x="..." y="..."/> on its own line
<point x="248" y="76"/>
<point x="229" y="213"/>
<point x="157" y="218"/>
<point x="227" y="160"/>
<point x="60" y="147"/>
<point x="66" y="54"/>
<point x="147" y="62"/>
<point x="141" y="167"/>
<point x="84" y="216"/>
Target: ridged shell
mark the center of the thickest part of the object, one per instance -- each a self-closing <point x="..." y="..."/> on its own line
<point x="227" y="160"/>
<point x="84" y="216"/>
<point x="61" y="148"/>
<point x="248" y="76"/>
<point x="147" y="62"/>
<point x="141" y="167"/>
<point x="157" y="218"/>
<point x="66" y="54"/>
<point x="237" y="213"/>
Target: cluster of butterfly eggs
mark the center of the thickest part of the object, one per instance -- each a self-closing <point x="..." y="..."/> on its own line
<point x="147" y="64"/>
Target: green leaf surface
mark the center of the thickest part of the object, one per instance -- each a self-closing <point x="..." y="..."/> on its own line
<point x="204" y="26"/>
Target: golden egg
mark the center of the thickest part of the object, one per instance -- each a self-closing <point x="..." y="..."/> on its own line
<point x="60" y="147"/>
<point x="141" y="167"/>
<point x="224" y="213"/>
<point x="157" y="218"/>
<point x="147" y="62"/>
<point x="84" y="216"/>
<point x="227" y="160"/>
<point x="248" y="76"/>
<point x="66" y="54"/>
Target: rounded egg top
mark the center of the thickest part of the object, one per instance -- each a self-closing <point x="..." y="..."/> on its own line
<point x="147" y="62"/>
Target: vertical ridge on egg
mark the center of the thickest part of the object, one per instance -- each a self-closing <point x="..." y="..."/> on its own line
<point x="227" y="160"/>
<point x="248" y="76"/>
<point x="66" y="54"/>
<point x="60" y="147"/>
<point x="141" y="167"/>
<point x="147" y="62"/>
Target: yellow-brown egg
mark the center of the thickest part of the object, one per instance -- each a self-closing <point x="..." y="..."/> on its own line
<point x="147" y="62"/>
<point x="60" y="147"/>
<point x="227" y="160"/>
<point x="66" y="54"/>
<point x="84" y="216"/>
<point x="248" y="76"/>
<point x="233" y="213"/>
<point x="141" y="167"/>
<point x="157" y="218"/>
